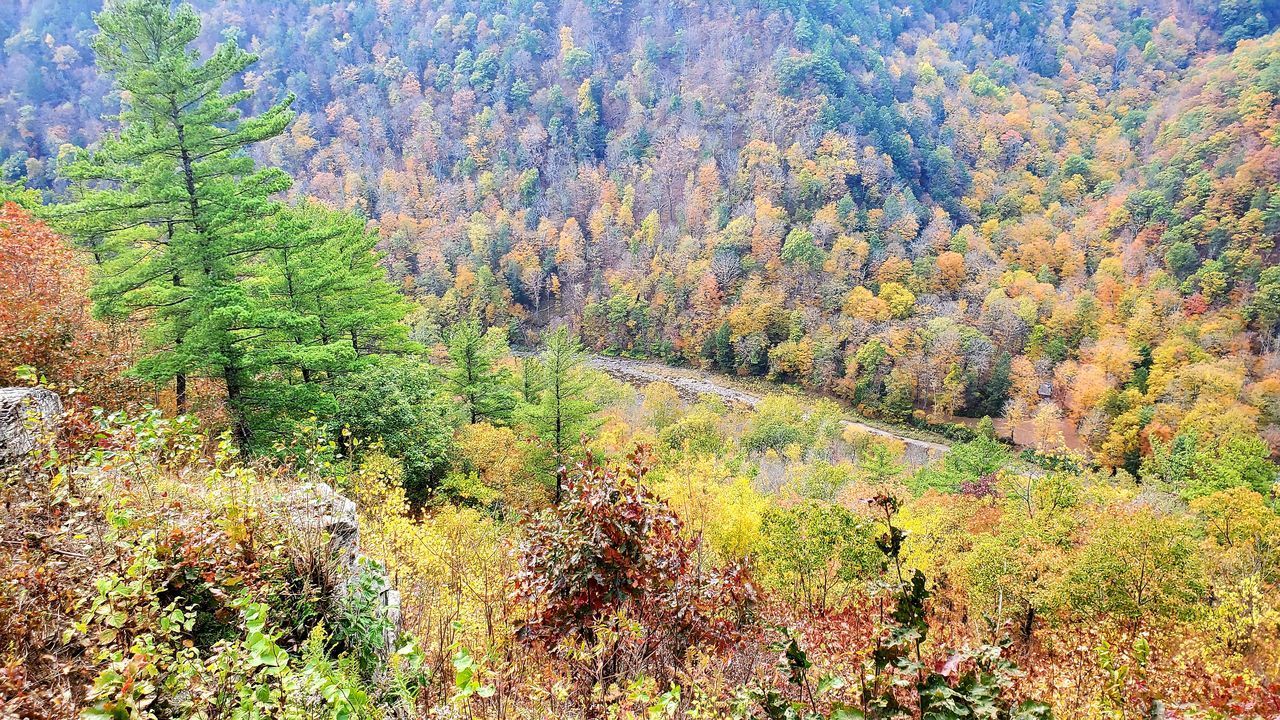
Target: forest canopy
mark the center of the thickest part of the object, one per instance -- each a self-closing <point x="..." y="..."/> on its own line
<point x="770" y="359"/>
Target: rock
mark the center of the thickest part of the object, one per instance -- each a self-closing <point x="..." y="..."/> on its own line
<point x="28" y="418"/>
<point x="318" y="507"/>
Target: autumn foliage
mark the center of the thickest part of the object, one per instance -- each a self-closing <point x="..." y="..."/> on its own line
<point x="44" y="304"/>
<point x="45" y="313"/>
<point x="975" y="308"/>
<point x="613" y="551"/>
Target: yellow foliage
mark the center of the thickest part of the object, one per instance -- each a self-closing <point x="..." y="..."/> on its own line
<point x="504" y="462"/>
<point x="899" y="299"/>
<point x="863" y="305"/>
<point x="938" y="533"/>
<point x="451" y="566"/>
<point x="712" y="501"/>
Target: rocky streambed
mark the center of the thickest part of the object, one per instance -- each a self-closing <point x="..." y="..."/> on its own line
<point x="691" y="384"/>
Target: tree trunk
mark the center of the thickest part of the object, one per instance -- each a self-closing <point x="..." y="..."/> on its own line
<point x="1028" y="624"/>
<point x="179" y="380"/>
<point x="239" y="426"/>
<point x="180" y="393"/>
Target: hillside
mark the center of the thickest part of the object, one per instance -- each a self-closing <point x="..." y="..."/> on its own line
<point x="913" y="207"/>
<point x="767" y="359"/>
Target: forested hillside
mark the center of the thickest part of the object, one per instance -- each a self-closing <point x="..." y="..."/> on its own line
<point x="273" y="253"/>
<point x="953" y="208"/>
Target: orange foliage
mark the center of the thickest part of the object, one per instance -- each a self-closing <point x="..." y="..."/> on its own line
<point x="45" y="320"/>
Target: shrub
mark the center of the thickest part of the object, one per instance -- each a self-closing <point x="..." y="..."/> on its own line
<point x="816" y="555"/>
<point x="194" y="598"/>
<point x="698" y="432"/>
<point x="452" y="566"/>
<point x="399" y="403"/>
<point x="897" y="679"/>
<point x="610" y="565"/>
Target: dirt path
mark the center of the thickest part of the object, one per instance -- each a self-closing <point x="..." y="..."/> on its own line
<point x="693" y="383"/>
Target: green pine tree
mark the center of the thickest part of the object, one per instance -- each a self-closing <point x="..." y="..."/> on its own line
<point x="530" y="379"/>
<point x="172" y="204"/>
<point x="564" y="413"/>
<point x="878" y="465"/>
<point x="474" y="375"/>
<point x="326" y="309"/>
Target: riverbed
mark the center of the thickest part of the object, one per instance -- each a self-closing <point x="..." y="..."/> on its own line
<point x="692" y="384"/>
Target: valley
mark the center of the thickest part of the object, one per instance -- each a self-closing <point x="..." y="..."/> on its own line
<point x="319" y="398"/>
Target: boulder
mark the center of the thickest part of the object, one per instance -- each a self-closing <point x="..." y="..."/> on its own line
<point x="28" y="419"/>
<point x="318" y="507"/>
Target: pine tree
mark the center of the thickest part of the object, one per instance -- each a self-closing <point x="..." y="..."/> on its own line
<point x="877" y="465"/>
<point x="325" y="306"/>
<point x="530" y="379"/>
<point x="474" y="375"/>
<point x="172" y="203"/>
<point x="564" y="413"/>
<point x="591" y="130"/>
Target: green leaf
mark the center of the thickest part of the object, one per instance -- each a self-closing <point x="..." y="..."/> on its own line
<point x="844" y="712"/>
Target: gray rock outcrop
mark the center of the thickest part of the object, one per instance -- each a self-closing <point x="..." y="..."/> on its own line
<point x="318" y="508"/>
<point x="28" y="419"/>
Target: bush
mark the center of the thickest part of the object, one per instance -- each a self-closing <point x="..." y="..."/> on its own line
<point x="781" y="421"/>
<point x="966" y="462"/>
<point x="949" y="430"/>
<point x="697" y="432"/>
<point x="897" y="679"/>
<point x="203" y="602"/>
<point x="609" y="563"/>
<point x="399" y="404"/>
